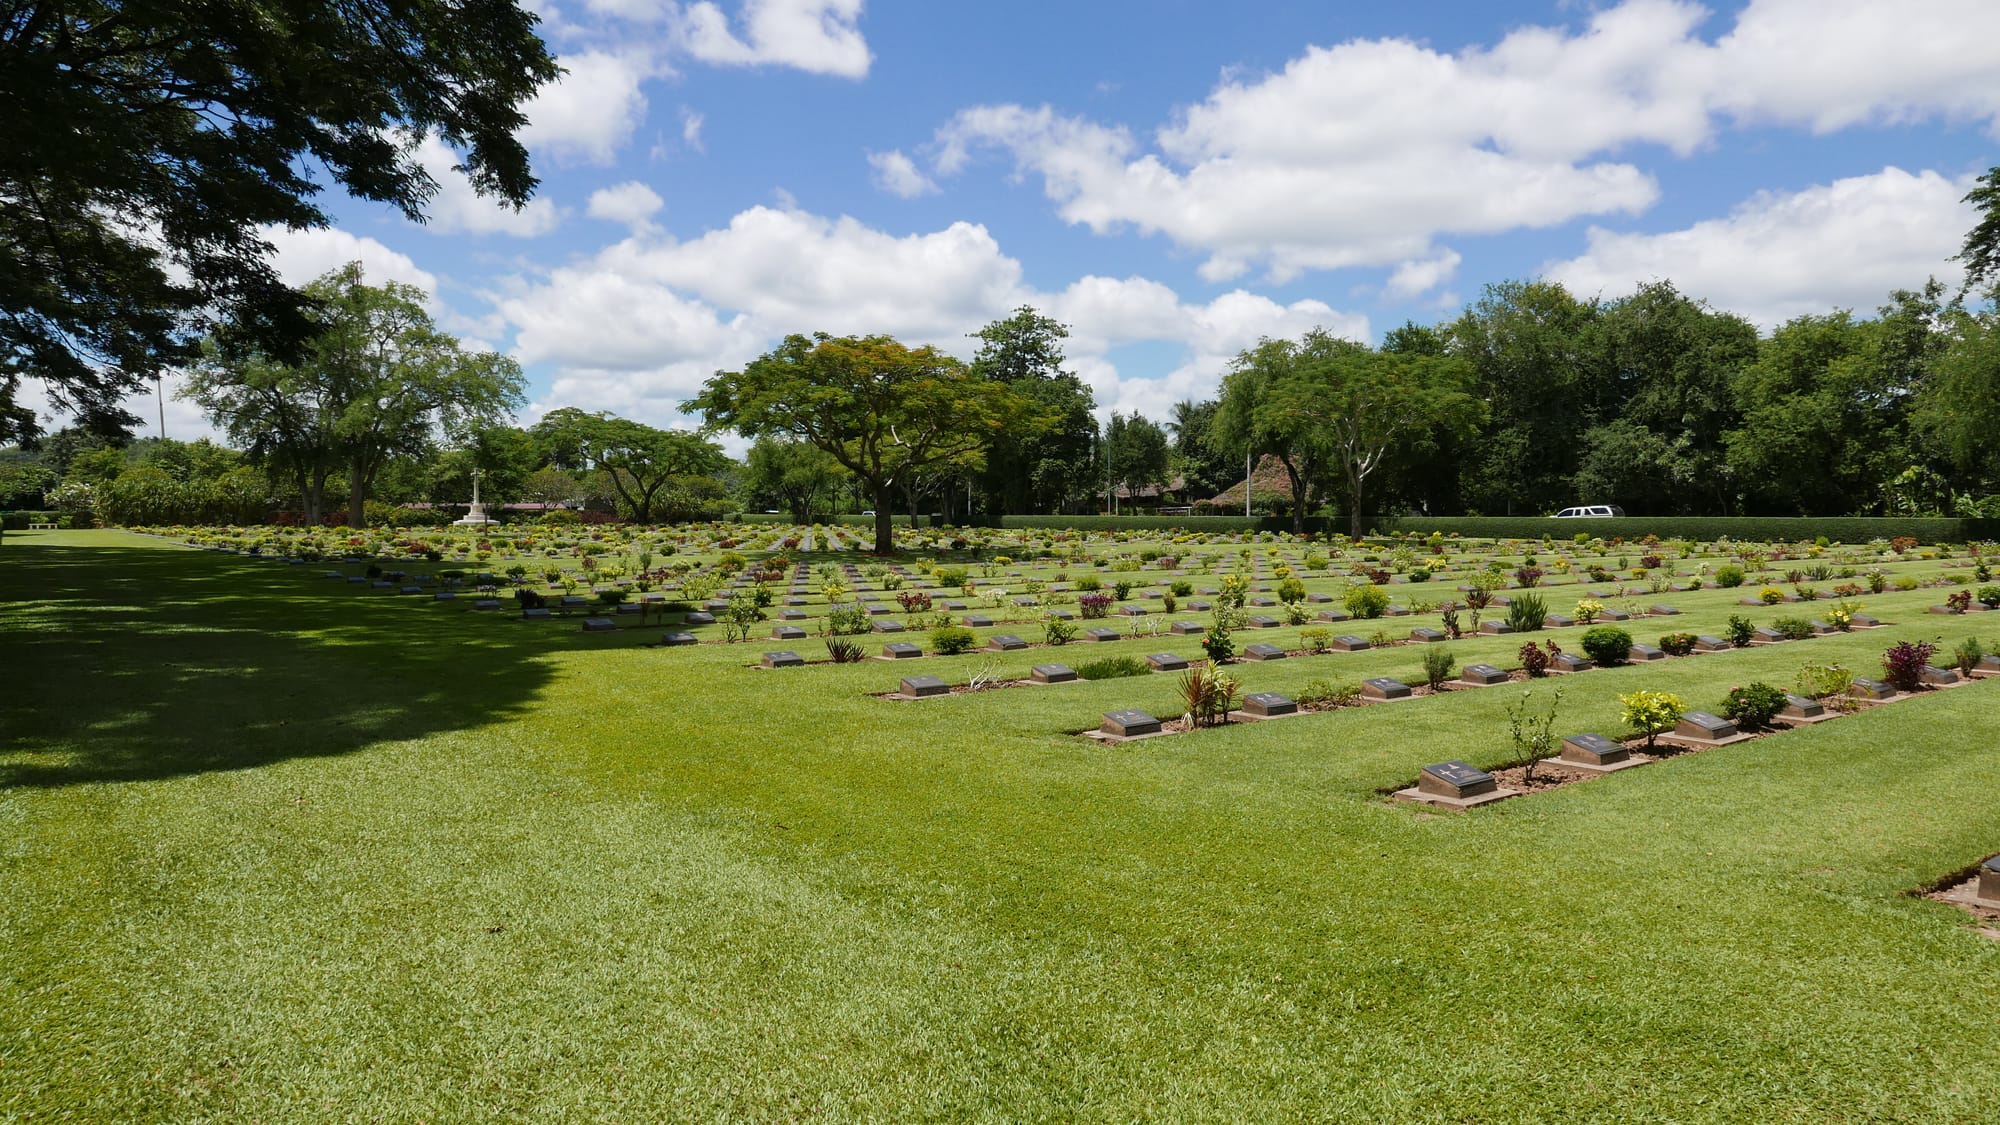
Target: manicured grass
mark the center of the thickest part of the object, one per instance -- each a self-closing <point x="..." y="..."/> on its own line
<point x="278" y="850"/>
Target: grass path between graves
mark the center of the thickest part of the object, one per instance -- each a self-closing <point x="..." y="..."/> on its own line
<point x="273" y="849"/>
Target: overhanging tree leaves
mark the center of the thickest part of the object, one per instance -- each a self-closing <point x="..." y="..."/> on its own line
<point x="151" y="143"/>
<point x="886" y="412"/>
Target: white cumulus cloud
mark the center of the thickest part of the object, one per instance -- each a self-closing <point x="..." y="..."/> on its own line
<point x="820" y="36"/>
<point x="1778" y="255"/>
<point x="302" y="255"/>
<point x="457" y="209"/>
<point x="631" y="203"/>
<point x="898" y="175"/>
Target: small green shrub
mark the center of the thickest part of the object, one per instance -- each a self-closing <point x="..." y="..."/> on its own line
<point x="1057" y="631"/>
<point x="1439" y="664"/>
<point x="1652" y="713"/>
<point x="1366" y="601"/>
<point x="1753" y="706"/>
<point x="1989" y="596"/>
<point x="1795" y="628"/>
<point x="1729" y="576"/>
<point x="1527" y="613"/>
<point x="1113" y="668"/>
<point x="1741" y="630"/>
<point x="1967" y="655"/>
<point x="1316" y="639"/>
<point x="1608" y="645"/>
<point x="1181" y="588"/>
<point x="1677" y="644"/>
<point x="1208" y="695"/>
<point x="1291" y="590"/>
<point x="1324" y="693"/>
<point x="953" y="640"/>
<point x="846" y="620"/>
<point x="1090" y="583"/>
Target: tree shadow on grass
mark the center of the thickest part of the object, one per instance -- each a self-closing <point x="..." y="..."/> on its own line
<point x="140" y="663"/>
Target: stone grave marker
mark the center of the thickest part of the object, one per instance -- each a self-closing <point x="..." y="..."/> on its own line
<point x="379" y="585"/>
<point x="628" y="609"/>
<point x="599" y="625"/>
<point x="1006" y="642"/>
<point x="1263" y="652"/>
<point x="1129" y="724"/>
<point x="920" y="687"/>
<point x="1615" y="615"/>
<point x="1941" y="677"/>
<point x="357" y="580"/>
<point x="880" y="610"/>
<point x="1558" y="621"/>
<point x="1396" y="611"/>
<point x="675" y="640"/>
<point x="486" y="603"/>
<point x="1318" y="598"/>
<point x="1706" y="643"/>
<point x="1801" y="707"/>
<point x="1382" y="687"/>
<point x="902" y="650"/>
<point x="783" y="660"/>
<point x="698" y="617"/>
<point x="1863" y="621"/>
<point x="887" y="626"/>
<point x="1663" y="611"/>
<point x="1495" y="628"/>
<point x="1053" y="674"/>
<point x="444" y="596"/>
<point x="1592" y="750"/>
<point x="537" y="613"/>
<point x="1062" y="615"/>
<point x="1456" y="780"/>
<point x="1187" y="628"/>
<point x="1703" y="726"/>
<point x="1641" y="653"/>
<point x="791" y="615"/>
<point x="1333" y="615"/>
<point x="1268" y="705"/>
<point x="1569" y="662"/>
<point x="788" y="633"/>
<point x="1866" y="688"/>
<point x="1347" y="642"/>
<point x="1166" y="662"/>
<point x="1482" y="674"/>
<point x="978" y="621"/>
<point x="1100" y="633"/>
<point x="1427" y="636"/>
<point x="1986" y="892"/>
<point x="1200" y="606"/>
<point x="1765" y="635"/>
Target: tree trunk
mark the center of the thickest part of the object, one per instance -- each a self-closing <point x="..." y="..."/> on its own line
<point x="885" y="532"/>
<point x="357" y="495"/>
<point x="1354" y="500"/>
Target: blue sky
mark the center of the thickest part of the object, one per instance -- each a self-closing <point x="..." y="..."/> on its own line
<point x="1176" y="179"/>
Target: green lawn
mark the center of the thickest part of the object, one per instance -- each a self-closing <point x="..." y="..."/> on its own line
<point x="275" y="849"/>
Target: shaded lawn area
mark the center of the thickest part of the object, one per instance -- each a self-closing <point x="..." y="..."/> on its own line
<point x="276" y="849"/>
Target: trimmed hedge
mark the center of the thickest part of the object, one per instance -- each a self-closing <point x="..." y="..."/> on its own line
<point x="1789" y="529"/>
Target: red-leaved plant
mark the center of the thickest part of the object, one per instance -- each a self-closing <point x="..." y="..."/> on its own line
<point x="1903" y="665"/>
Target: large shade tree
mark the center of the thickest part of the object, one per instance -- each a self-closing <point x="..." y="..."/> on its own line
<point x="1248" y="417"/>
<point x="642" y="465"/>
<point x="1037" y="469"/>
<point x="797" y="474"/>
<point x="377" y="380"/>
<point x="155" y="142"/>
<point x="887" y="412"/>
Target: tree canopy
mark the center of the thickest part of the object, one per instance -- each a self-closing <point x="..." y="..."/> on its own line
<point x="643" y="465"/>
<point x="375" y="380"/>
<point x="886" y="412"/>
<point x="154" y="141"/>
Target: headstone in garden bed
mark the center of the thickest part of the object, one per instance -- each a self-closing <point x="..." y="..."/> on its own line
<point x="1663" y="611"/>
<point x="1765" y="635"/>
<point x="1643" y="653"/>
<point x="797" y="601"/>
<point x="1263" y="601"/>
<point x="880" y="610"/>
<point x="1706" y="643"/>
<point x="1062" y="615"/>
<point x="1592" y="750"/>
<point x="486" y="603"/>
<point x="1166" y="662"/>
<point x="1863" y="621"/>
<point x="1268" y="705"/>
<point x="1347" y="642"/>
<point x="1569" y="662"/>
<point x="1133" y="610"/>
<point x="1333" y="615"/>
<point x="902" y="650"/>
<point x="1801" y="707"/>
<point x="1200" y="606"/>
<point x="1986" y="891"/>
<point x="1318" y="598"/>
<point x="698" y="617"/>
<point x="1382" y="687"/>
<point x="1702" y="726"/>
<point x="1455" y="785"/>
<point x="574" y="601"/>
<point x="1558" y="621"/>
<point x="358" y="580"/>
<point x="1941" y="677"/>
<point x="887" y="626"/>
<point x="1260" y="621"/>
<point x="717" y="606"/>
<point x="1396" y="611"/>
<point x="1615" y="615"/>
<point x="919" y="687"/>
<point x="1263" y="652"/>
<point x="1945" y="609"/>
<point x="783" y="660"/>
<point x="1495" y="628"/>
<point x="675" y="640"/>
<point x="1187" y="628"/>
<point x="1006" y="642"/>
<point x="1100" y="633"/>
<point x="1053" y="674"/>
<point x="791" y="615"/>
<point x="444" y="596"/>
<point x="599" y="625"/>
<point x="1988" y="665"/>
<point x="537" y="613"/>
<point x="1427" y="636"/>
<point x="1482" y="674"/>
<point x="378" y="585"/>
<point x="787" y="633"/>
<point x="978" y="621"/>
<point x="955" y="607"/>
<point x="629" y="609"/>
<point x="1129" y="724"/>
<point x="1864" y="688"/>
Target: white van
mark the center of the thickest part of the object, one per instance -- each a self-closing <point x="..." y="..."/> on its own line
<point x="1588" y="511"/>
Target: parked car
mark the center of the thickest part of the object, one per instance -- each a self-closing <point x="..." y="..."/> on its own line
<point x="1590" y="511"/>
